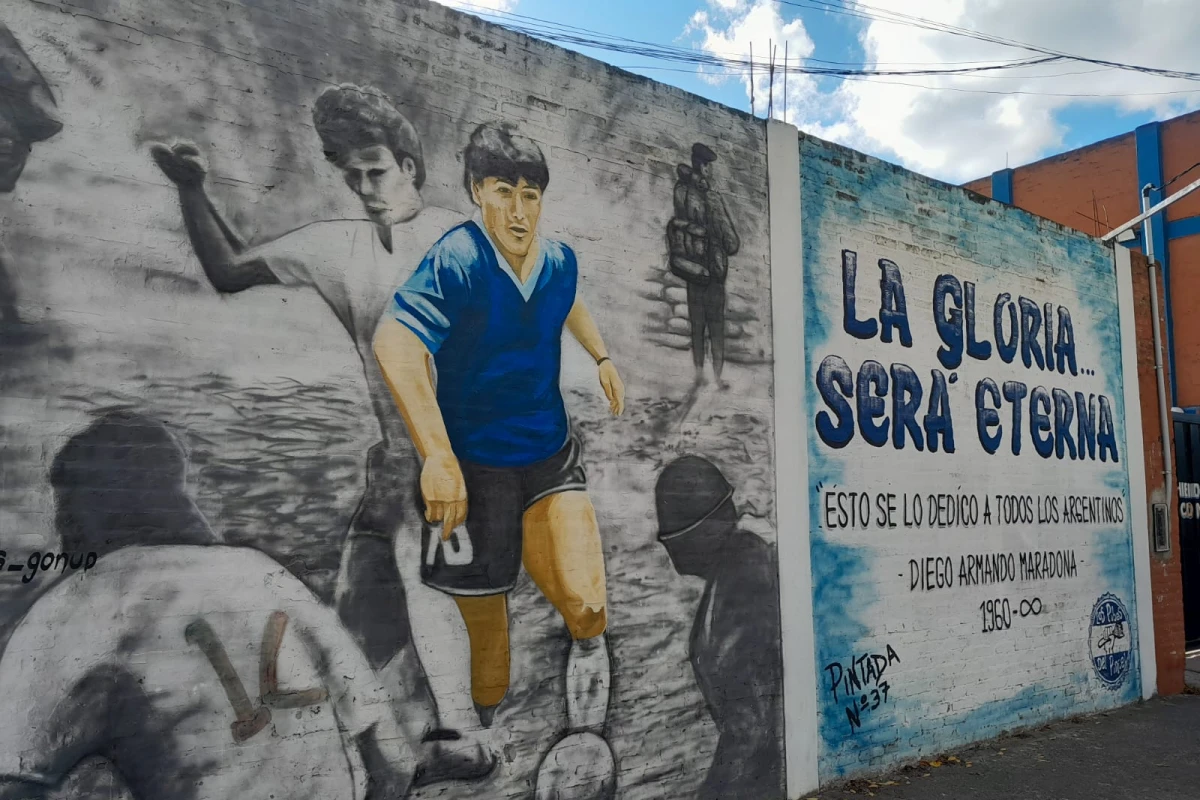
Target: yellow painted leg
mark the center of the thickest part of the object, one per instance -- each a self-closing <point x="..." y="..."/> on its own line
<point x="564" y="557"/>
<point x="487" y="629"/>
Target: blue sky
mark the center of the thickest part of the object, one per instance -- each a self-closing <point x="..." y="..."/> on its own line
<point x="943" y="126"/>
<point x="665" y="21"/>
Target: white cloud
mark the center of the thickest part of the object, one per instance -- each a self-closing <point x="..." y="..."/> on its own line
<point x="931" y="125"/>
<point x="732" y="28"/>
<point x="477" y="6"/>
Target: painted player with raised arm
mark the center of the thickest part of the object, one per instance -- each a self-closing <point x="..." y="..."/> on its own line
<point x="355" y="265"/>
<point x="485" y="311"/>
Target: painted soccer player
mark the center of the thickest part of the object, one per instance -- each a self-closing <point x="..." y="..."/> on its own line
<point x="355" y="265"/>
<point x="196" y="670"/>
<point x="486" y="309"/>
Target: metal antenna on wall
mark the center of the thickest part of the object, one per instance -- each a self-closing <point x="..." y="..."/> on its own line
<point x="785" y="72"/>
<point x="770" y="78"/>
<point x="752" y="79"/>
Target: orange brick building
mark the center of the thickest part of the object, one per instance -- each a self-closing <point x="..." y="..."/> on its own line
<point x="1098" y="187"/>
<point x="1094" y="189"/>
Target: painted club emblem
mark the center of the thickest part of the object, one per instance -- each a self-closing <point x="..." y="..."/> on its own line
<point x="1110" y="641"/>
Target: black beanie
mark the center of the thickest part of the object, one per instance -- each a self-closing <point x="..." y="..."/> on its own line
<point x="689" y="490"/>
<point x="702" y="154"/>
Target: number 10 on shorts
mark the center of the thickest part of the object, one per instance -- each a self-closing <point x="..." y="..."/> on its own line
<point x="456" y="550"/>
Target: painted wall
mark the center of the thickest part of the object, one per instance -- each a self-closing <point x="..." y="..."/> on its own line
<point x="971" y="552"/>
<point x="388" y="407"/>
<point x="202" y="237"/>
<point x="1093" y="189"/>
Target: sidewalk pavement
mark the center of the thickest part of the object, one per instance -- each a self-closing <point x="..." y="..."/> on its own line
<point x="1148" y="751"/>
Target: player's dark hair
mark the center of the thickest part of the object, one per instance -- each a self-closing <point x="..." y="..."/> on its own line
<point x="349" y="117"/>
<point x="497" y="150"/>
<point x="120" y="482"/>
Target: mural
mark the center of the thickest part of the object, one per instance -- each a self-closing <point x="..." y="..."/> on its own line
<point x="702" y="238"/>
<point x="320" y="479"/>
<point x="378" y="152"/>
<point x="100" y="665"/>
<point x="969" y="493"/>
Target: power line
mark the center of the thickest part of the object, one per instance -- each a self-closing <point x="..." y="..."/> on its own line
<point x="716" y="64"/>
<point x="883" y="15"/>
<point x="572" y="34"/>
<point x="561" y="33"/>
<point x="1180" y="175"/>
<point x="948" y="88"/>
<point x="1027" y="93"/>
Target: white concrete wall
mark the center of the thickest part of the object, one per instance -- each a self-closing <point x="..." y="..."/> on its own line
<point x="920" y="646"/>
<point x="791" y="436"/>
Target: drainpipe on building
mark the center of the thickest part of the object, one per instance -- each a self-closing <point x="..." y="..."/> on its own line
<point x="1144" y="218"/>
<point x="1164" y="417"/>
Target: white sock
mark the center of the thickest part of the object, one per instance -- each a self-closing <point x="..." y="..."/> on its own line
<point x="440" y="637"/>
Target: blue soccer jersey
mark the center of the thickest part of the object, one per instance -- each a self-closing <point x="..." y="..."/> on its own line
<point x="497" y="345"/>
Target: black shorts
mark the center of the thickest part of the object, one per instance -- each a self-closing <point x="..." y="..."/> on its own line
<point x="485" y="559"/>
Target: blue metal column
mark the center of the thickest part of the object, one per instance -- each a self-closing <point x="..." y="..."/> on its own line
<point x="1002" y="186"/>
<point x="1149" y="169"/>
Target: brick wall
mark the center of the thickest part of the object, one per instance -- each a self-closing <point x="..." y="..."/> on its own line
<point x="1095" y="188"/>
<point x="1184" y="256"/>
<point x="1165" y="583"/>
<point x="1180" y="138"/>
<point x="1092" y="189"/>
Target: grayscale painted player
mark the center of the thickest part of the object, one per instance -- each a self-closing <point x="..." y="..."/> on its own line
<point x="355" y="265"/>
<point x="199" y="671"/>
